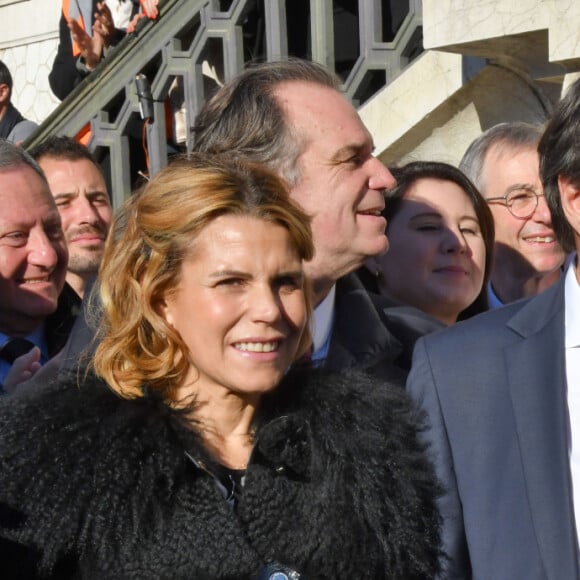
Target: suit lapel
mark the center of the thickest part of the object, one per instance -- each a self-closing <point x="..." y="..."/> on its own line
<point x="537" y="381"/>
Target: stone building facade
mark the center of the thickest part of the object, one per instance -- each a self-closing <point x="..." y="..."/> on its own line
<point x="484" y="62"/>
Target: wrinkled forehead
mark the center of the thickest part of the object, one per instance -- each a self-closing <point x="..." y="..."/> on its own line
<point x="308" y="105"/>
<point x="512" y="163"/>
<point x="321" y="119"/>
<point x="505" y="149"/>
<point x="24" y="193"/>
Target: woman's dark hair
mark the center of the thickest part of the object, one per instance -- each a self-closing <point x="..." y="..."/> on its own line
<point x="559" y="150"/>
<point x="408" y="174"/>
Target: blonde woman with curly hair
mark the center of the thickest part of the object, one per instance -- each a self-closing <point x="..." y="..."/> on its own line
<point x="199" y="444"/>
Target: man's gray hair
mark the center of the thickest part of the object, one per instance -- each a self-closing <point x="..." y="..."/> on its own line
<point x="13" y="156"/>
<point x="509" y="136"/>
<point x="244" y="117"/>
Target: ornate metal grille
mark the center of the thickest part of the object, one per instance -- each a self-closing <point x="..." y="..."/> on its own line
<point x="195" y="44"/>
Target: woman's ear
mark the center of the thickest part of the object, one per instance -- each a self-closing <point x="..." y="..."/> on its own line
<point x="163" y="307"/>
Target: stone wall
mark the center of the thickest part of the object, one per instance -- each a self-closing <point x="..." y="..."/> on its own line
<point x="487" y="61"/>
<point x="28" y="43"/>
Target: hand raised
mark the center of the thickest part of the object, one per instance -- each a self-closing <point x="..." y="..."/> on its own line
<point x="23" y="368"/>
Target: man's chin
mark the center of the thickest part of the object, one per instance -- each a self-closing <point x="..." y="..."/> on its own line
<point x="547" y="263"/>
<point x="85" y="263"/>
<point x="376" y="247"/>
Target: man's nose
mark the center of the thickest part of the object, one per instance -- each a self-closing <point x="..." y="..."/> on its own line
<point x="542" y="212"/>
<point x="380" y="177"/>
<point x="42" y="251"/>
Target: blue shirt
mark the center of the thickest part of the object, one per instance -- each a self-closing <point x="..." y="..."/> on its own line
<point x="36" y="337"/>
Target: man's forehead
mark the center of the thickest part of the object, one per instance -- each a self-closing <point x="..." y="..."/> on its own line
<point x="24" y="192"/>
<point x="301" y="98"/>
<point x="315" y="111"/>
<point x="505" y="151"/>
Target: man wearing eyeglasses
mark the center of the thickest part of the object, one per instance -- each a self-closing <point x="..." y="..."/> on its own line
<point x="504" y="165"/>
<point x="501" y="392"/>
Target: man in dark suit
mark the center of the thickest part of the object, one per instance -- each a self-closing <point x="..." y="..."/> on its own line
<point x="502" y="395"/>
<point x="33" y="261"/>
<point x="291" y="116"/>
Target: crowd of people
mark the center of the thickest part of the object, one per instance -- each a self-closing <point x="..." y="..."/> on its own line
<point x="282" y="359"/>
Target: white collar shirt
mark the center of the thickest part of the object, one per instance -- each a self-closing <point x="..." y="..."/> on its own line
<point x="572" y="353"/>
<point x="323" y="320"/>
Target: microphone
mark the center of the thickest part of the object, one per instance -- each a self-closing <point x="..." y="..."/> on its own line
<point x="145" y="97"/>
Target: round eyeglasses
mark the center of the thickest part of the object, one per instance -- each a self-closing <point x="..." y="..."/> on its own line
<point x="521" y="202"/>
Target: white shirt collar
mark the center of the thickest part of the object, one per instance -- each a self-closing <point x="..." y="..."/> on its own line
<point x="572" y="306"/>
<point x="322" y="321"/>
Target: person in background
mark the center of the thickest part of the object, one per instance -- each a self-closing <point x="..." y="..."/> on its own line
<point x="291" y="116"/>
<point x="502" y="397"/>
<point x="308" y="145"/>
<point x="87" y="30"/>
<point x="13" y="126"/>
<point x="33" y="261"/>
<point x="189" y="450"/>
<point x="503" y="163"/>
<point x="80" y="193"/>
<point x="441" y="238"/>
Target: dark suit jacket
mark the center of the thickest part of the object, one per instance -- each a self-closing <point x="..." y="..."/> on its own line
<point x="70" y="353"/>
<point x="59" y="324"/>
<point x="494" y="388"/>
<point x="373" y="334"/>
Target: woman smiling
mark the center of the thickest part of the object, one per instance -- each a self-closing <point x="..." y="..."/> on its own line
<point x="192" y="449"/>
<point x="441" y="236"/>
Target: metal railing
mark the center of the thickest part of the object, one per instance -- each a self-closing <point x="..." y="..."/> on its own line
<point x="195" y="44"/>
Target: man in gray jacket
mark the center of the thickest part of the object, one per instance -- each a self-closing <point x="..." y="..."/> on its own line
<point x="502" y="394"/>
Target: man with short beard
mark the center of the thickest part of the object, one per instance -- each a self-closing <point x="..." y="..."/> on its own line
<point x="80" y="193"/>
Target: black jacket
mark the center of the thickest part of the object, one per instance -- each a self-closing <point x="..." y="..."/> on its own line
<point x="58" y="325"/>
<point x="102" y="487"/>
<point x="373" y="334"/>
<point x="65" y="75"/>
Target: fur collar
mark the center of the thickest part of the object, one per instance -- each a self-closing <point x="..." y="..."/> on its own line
<point x="337" y="484"/>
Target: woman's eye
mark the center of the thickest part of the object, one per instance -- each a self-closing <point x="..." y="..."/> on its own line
<point x="289" y="282"/>
<point x="427" y="227"/>
<point x="233" y="282"/>
<point x="473" y="230"/>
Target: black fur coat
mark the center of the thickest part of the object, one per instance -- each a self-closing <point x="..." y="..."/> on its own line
<point x="96" y="486"/>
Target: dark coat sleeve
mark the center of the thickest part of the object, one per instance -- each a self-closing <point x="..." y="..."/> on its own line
<point x="64" y="76"/>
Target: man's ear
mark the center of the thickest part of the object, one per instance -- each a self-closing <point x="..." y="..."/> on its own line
<point x="570" y="196"/>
